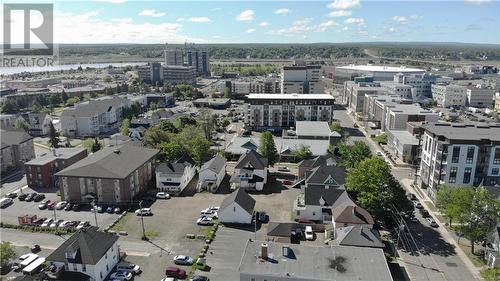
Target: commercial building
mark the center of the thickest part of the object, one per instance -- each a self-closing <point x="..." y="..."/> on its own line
<point x="241" y="88"/>
<point x="301" y="79"/>
<point x="269" y="111"/>
<point x="397" y="115"/>
<point x="93" y="118"/>
<point x="403" y="145"/>
<point x="355" y="93"/>
<point x="279" y="262"/>
<point x="449" y="95"/>
<point x="458" y="154"/>
<point x="215" y="103"/>
<point x="189" y="55"/>
<point x="111" y="175"/>
<point x="378" y="72"/>
<point x="40" y="172"/>
<point x="175" y="74"/>
<point x="17" y="148"/>
<point x="151" y="73"/>
<point x="173" y="56"/>
<point x="480" y="97"/>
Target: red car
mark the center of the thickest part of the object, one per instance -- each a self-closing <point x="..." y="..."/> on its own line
<point x="39" y="221"/>
<point x="176" y="272"/>
<point x="51" y="205"/>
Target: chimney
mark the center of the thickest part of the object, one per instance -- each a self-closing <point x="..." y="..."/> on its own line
<point x="263" y="251"/>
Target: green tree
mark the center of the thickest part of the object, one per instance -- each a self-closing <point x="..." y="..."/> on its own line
<point x="53" y="136"/>
<point x="448" y="201"/>
<point x="36" y="107"/>
<point x="155" y="136"/>
<point x="376" y="189"/>
<point x="207" y="122"/>
<point x="167" y="126"/>
<point x="72" y="101"/>
<point x="124" y="129"/>
<point x="268" y="149"/>
<point x="173" y="150"/>
<point x="96" y="146"/>
<point x="225" y="122"/>
<point x="183" y="121"/>
<point x="7" y="253"/>
<point x="9" y="107"/>
<point x="227" y="93"/>
<point x="351" y="155"/>
<point x="381" y="139"/>
<point x="200" y="149"/>
<point x="153" y="106"/>
<point x="492" y="274"/>
<point x="336" y="127"/>
<point x="302" y="153"/>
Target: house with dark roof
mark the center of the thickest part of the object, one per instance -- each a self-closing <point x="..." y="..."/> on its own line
<point x="346" y="215"/>
<point x="174" y="176"/>
<point x="309" y="164"/>
<point x="316" y="204"/>
<point x="16" y="148"/>
<point x="112" y="175"/>
<point x="283" y="231"/>
<point x="358" y="236"/>
<point x="237" y="208"/>
<point x="39" y="124"/>
<point x="88" y="251"/>
<point x="212" y="174"/>
<point x="250" y="172"/>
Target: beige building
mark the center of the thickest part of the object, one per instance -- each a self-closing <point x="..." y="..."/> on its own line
<point x="17" y="148"/>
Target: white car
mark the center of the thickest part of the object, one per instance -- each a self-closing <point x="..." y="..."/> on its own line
<point x="64" y="224"/>
<point x="208" y="212"/>
<point x="309" y="233"/>
<point x="61" y="205"/>
<point x="121" y="275"/>
<point x="55" y="224"/>
<point x="162" y="195"/>
<point x="205" y="221"/>
<point x="47" y="222"/>
<point x="129" y="267"/>
<point x="82" y="224"/>
<point x="379" y="153"/>
<point x="144" y="212"/>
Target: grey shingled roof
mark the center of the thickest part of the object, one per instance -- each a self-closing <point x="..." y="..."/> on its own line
<point x="322" y="174"/>
<point x="241" y="198"/>
<point x="253" y="158"/>
<point x="333" y="197"/>
<point x="215" y="164"/>
<point x="111" y="162"/>
<point x="281" y="229"/>
<point x="352" y="215"/>
<point x="94" y="107"/>
<point x="176" y="167"/>
<point x="12" y="136"/>
<point x="90" y="246"/>
<point x="359" y="236"/>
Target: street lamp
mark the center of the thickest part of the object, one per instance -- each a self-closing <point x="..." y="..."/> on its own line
<point x="142" y="222"/>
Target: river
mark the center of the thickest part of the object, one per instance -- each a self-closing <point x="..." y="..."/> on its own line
<point x="14" y="70"/>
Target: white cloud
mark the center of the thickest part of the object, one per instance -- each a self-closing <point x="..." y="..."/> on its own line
<point x="303" y="26"/>
<point x="151" y="13"/>
<point x="216" y="9"/>
<point x="247" y="15"/>
<point x="199" y="19"/>
<point x="111" y="1"/>
<point x="282" y="11"/>
<point x="345" y="28"/>
<point x="264" y="24"/>
<point x="325" y="25"/>
<point x="344" y="4"/>
<point x="478" y="2"/>
<point x="251" y="30"/>
<point x="358" y="21"/>
<point x="392" y="29"/>
<point x="405" y="19"/>
<point x="340" y="13"/>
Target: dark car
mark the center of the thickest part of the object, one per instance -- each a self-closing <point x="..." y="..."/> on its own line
<point x="11" y="195"/>
<point x="412" y="196"/>
<point x="68" y="207"/>
<point x="39" y="221"/>
<point x="424" y="213"/>
<point x="30" y="197"/>
<point x="35" y="248"/>
<point x="176" y="272"/>
<point x="263" y="217"/>
<point x="22" y="197"/>
<point x="39" y="197"/>
<point x="199" y="278"/>
<point x="75" y="207"/>
<point x="109" y="210"/>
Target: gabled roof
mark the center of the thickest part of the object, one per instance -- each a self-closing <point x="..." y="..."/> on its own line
<point x="12" y="136"/>
<point x="186" y="159"/>
<point x="111" y="162"/>
<point x="281" y="229"/>
<point x="327" y="175"/>
<point x="176" y="167"/>
<point x="352" y="215"/>
<point x="253" y="159"/>
<point x="322" y="160"/>
<point x="89" y="244"/>
<point x="95" y="107"/>
<point x="358" y="236"/>
<point x="332" y="197"/>
<point x="216" y="164"/>
<point x="241" y="198"/>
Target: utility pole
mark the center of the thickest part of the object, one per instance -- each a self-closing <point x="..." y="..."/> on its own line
<point x="142" y="221"/>
<point x="255" y="226"/>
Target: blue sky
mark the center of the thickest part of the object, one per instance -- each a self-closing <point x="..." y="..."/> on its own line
<point x="126" y="21"/>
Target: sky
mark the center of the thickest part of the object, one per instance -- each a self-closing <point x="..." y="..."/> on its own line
<point x="336" y="21"/>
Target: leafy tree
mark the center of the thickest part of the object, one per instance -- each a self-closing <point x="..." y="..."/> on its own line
<point x="268" y="149"/>
<point x="376" y="189"/>
<point x="72" y="101"/>
<point x="184" y="121"/>
<point x="336" y="127"/>
<point x="302" y="153"/>
<point x="447" y="200"/>
<point x="54" y="99"/>
<point x="53" y="136"/>
<point x="155" y="136"/>
<point x="173" y="150"/>
<point x="131" y="111"/>
<point x="7" y="253"/>
<point x="207" y="122"/>
<point x="227" y="93"/>
<point x="492" y="274"/>
<point x="22" y="124"/>
<point x="36" y="107"/>
<point x="351" y="155"/>
<point x="64" y="96"/>
<point x="225" y="122"/>
<point x="381" y="139"/>
<point x="200" y="149"/>
<point x="124" y="129"/>
<point x="96" y="146"/>
<point x="153" y="106"/>
<point x="9" y="107"/>
<point x="167" y="126"/>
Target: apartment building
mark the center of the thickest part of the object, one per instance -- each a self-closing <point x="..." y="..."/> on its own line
<point x="241" y="88"/>
<point x="421" y="83"/>
<point x="301" y="79"/>
<point x="175" y="74"/>
<point x="198" y="58"/>
<point x="270" y="111"/>
<point x="173" y="56"/>
<point x="396" y="115"/>
<point x="40" y="171"/>
<point x="458" y="154"/>
<point x="93" y="118"/>
<point x="480" y="97"/>
<point x="449" y="95"/>
<point x="111" y="175"/>
<point x="355" y="92"/>
<point x="151" y="73"/>
<point x="17" y="148"/>
<point x="39" y="124"/>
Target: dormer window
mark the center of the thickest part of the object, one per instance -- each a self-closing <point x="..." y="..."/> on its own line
<point x="70" y="254"/>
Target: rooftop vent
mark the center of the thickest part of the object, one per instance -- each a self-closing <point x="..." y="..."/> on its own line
<point x="263" y="251"/>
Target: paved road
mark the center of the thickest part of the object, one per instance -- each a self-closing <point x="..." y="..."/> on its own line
<point x="431" y="257"/>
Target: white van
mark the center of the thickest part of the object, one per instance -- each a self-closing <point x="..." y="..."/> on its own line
<point x="4" y="202"/>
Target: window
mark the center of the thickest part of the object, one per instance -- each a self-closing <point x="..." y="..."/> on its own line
<point x="453" y="175"/>
<point x="84" y="268"/>
<point x="496" y="160"/>
<point x="74" y="267"/>
<point x="456" y="154"/>
<point x="494" y="171"/>
<point x="467" y="174"/>
<point x="470" y="155"/>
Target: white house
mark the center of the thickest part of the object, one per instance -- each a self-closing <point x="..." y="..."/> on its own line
<point x="39" y="124"/>
<point x="212" y="173"/>
<point x="89" y="252"/>
<point x="237" y="208"/>
<point x="175" y="176"/>
<point x="250" y="172"/>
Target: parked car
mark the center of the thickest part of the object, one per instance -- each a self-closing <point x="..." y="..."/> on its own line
<point x="22" y="197"/>
<point x="417" y="205"/>
<point x="61" y="205"/>
<point x="283" y="169"/>
<point x="68" y="207"/>
<point x="162" y="195"/>
<point x="263" y="217"/>
<point x="11" y="195"/>
<point x="176" y="272"/>
<point x="424" y="213"/>
<point x="205" y="221"/>
<point x="39" y="197"/>
<point x="169" y="279"/>
<point x="55" y="224"/>
<point x="432" y="222"/>
<point x="379" y="153"/>
<point x="309" y="233"/>
<point x="65" y="224"/>
<point x="117" y="210"/>
<point x="83" y="224"/>
<point x="412" y="196"/>
<point x="208" y="212"/>
<point x="121" y="275"/>
<point x="109" y="210"/>
<point x="100" y="209"/>
<point x="47" y="222"/>
<point x="129" y="267"/>
<point x="35" y="248"/>
<point x="30" y="197"/>
<point x="144" y="212"/>
<point x="199" y="278"/>
<point x="39" y="221"/>
<point x="414" y="219"/>
<point x="43" y="204"/>
<point x="51" y="205"/>
<point x="75" y="207"/>
<point x="183" y="260"/>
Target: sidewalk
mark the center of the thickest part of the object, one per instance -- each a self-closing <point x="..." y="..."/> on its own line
<point x="423" y="198"/>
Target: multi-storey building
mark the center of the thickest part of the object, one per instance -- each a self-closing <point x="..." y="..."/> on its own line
<point x="377" y="72"/>
<point x="355" y="92"/>
<point x="270" y="111"/>
<point x="240" y="88"/>
<point x="173" y="56"/>
<point x="17" y="148"/>
<point x="93" y="118"/>
<point x="480" y="97"/>
<point x="396" y="115"/>
<point x="115" y="174"/>
<point x="449" y="95"/>
<point x="39" y="124"/>
<point x="151" y="73"/>
<point x="301" y="79"/>
<point x="198" y="58"/>
<point x="40" y="171"/>
<point x="458" y="155"/>
<point x="497" y="103"/>
<point x="420" y="82"/>
<point x="175" y="74"/>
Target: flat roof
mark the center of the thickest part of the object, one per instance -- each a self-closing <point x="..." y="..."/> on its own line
<point x="404" y="137"/>
<point x="291" y="96"/>
<point x="465" y="132"/>
<point x="380" y="68"/>
<point x="60" y="153"/>
<point x="312" y="128"/>
<point x="339" y="263"/>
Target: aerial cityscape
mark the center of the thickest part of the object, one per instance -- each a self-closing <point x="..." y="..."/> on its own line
<point x="342" y="140"/>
